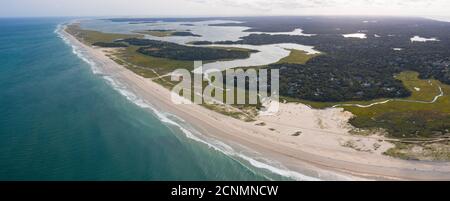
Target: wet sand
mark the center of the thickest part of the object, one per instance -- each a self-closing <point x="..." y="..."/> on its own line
<point x="317" y="152"/>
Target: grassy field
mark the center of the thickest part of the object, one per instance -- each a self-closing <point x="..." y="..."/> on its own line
<point x="410" y="119"/>
<point x="161" y="65"/>
<point x="401" y="118"/>
<point x="144" y="65"/>
<point x="423" y="128"/>
<point x="136" y="61"/>
<point x="404" y="118"/>
<point x="160" y="33"/>
<point x="157" y="68"/>
<point x="90" y="37"/>
<point x="297" y="57"/>
<point x="413" y="120"/>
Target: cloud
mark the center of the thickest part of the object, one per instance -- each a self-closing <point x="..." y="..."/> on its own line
<point x="222" y="7"/>
<point x="286" y="5"/>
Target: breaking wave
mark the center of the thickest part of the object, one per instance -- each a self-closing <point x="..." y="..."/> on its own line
<point x="171" y="120"/>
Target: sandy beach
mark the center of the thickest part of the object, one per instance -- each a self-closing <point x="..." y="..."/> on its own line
<point x="314" y="143"/>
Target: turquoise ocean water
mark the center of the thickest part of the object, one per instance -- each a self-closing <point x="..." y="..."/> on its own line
<point x="60" y="121"/>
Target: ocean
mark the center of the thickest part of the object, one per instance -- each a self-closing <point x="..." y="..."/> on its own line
<point x="59" y="120"/>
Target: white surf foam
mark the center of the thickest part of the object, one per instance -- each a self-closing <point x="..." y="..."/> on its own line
<point x="268" y="165"/>
<point x="76" y="49"/>
<point x="355" y="35"/>
<point x="422" y="39"/>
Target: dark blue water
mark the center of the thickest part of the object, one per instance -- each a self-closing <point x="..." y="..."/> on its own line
<point x="59" y="121"/>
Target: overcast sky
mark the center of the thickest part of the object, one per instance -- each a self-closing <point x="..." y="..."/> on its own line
<point x="222" y="7"/>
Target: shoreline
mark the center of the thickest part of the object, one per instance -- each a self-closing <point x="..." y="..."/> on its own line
<point x="314" y="154"/>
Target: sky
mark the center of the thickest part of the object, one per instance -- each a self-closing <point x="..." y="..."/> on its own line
<point x="179" y="8"/>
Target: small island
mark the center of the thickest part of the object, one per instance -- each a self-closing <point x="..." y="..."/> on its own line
<point x="167" y="33"/>
<point x="180" y="52"/>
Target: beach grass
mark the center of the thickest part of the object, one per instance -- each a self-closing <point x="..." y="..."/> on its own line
<point x="90" y="36"/>
<point x="158" y="69"/>
<point x="402" y="118"/>
<point x="424" y="152"/>
<point x="161" y="65"/>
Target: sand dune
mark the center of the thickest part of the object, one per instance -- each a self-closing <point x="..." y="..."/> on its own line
<point x="312" y="142"/>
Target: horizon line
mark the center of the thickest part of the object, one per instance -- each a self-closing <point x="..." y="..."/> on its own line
<point x="220" y="16"/>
